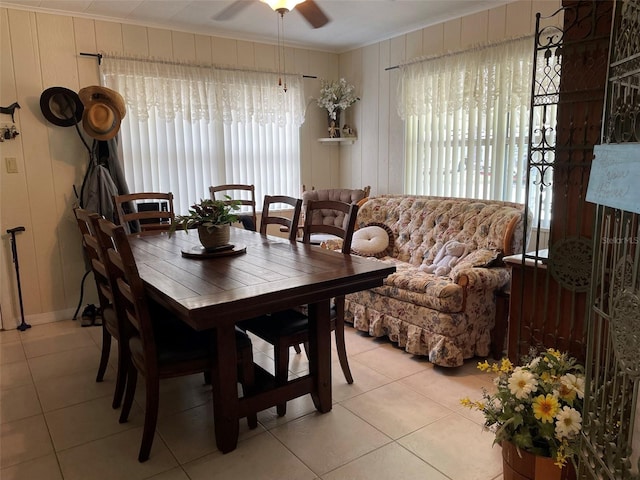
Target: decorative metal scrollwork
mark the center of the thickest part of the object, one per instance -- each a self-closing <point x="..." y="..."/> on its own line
<point x="570" y="263"/>
<point x="625" y="329"/>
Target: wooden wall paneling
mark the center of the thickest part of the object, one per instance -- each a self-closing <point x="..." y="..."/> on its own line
<point x="497" y="24"/>
<point x="85" y="41"/>
<point x="474" y="29"/>
<point x="452" y="32"/>
<point x="413" y="45"/>
<point x="266" y="57"/>
<point x="109" y="37"/>
<point x="13" y="189"/>
<point x="160" y="43"/>
<point x="204" y="49"/>
<point x="432" y="40"/>
<point x="225" y="51"/>
<point x="370" y="111"/>
<point x="384" y="99"/>
<point x="246" y="54"/>
<point x="184" y="46"/>
<point x="518" y="21"/>
<point x="546" y="8"/>
<point x="59" y="63"/>
<point x="135" y="40"/>
<point x="396" y="124"/>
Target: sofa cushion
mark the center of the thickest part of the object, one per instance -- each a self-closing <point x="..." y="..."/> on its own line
<point x="373" y="240"/>
<point x="483" y="257"/>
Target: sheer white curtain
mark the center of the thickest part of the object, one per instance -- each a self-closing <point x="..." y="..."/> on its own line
<point x="188" y="127"/>
<point x="467" y="122"/>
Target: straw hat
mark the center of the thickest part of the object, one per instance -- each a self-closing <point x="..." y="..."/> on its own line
<point x="103" y="111"/>
<point x="61" y="106"/>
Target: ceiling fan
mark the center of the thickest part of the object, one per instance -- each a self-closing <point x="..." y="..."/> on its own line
<point x="309" y="9"/>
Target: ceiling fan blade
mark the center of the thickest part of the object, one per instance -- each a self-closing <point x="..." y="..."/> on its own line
<point x="232" y="10"/>
<point x="312" y="13"/>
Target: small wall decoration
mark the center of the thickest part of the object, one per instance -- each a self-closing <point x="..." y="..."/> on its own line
<point x="9" y="132"/>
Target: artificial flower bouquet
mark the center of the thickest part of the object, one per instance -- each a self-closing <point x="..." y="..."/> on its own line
<point x="537" y="406"/>
<point x="336" y="96"/>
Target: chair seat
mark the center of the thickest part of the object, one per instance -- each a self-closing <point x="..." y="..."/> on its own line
<point x="273" y="326"/>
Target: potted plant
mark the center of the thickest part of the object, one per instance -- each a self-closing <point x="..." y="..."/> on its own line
<point x="212" y="218"/>
<point x="335" y="97"/>
<point x="536" y="410"/>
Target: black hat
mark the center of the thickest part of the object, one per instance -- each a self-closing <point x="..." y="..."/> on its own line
<point x="61" y="106"/>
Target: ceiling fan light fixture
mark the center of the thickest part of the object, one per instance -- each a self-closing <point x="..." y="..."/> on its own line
<point x="282" y="6"/>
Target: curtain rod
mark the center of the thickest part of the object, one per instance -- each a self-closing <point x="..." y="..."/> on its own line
<point x="100" y="56"/>
<point x="448" y="54"/>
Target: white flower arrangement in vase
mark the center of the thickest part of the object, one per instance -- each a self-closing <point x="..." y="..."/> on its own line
<point x="336" y="96"/>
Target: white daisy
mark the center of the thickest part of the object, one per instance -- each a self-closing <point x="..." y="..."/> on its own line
<point x="573" y="382"/>
<point x="522" y="383"/>
<point x="568" y="423"/>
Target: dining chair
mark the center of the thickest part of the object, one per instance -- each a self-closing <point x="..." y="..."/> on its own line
<point x="245" y="195"/>
<point x="144" y="211"/>
<point x="288" y="224"/>
<point x="111" y="324"/>
<point x="290" y="328"/>
<point x="161" y="346"/>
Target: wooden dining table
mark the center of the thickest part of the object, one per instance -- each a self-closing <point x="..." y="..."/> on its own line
<point x="263" y="274"/>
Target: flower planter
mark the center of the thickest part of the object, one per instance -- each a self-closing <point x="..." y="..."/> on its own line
<point x="214" y="238"/>
<point x="527" y="466"/>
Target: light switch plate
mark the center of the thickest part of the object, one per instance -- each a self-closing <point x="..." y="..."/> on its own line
<point x="12" y="164"/>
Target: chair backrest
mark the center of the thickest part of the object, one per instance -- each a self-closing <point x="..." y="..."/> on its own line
<point x="268" y="218"/>
<point x="86" y="223"/>
<point x="129" y="295"/>
<point x="343" y="230"/>
<point x="152" y="211"/>
<point x="245" y="195"/>
<point x="340" y="194"/>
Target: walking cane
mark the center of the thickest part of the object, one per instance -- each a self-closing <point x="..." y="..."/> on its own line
<point x="23" y="325"/>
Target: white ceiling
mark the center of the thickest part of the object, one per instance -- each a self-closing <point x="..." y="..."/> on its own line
<point x="353" y="23"/>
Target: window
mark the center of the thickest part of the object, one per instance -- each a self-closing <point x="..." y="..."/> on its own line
<point x="467" y="123"/>
<point x="188" y="127"/>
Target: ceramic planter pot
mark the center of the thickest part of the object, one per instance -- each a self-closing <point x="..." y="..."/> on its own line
<point x="527" y="466"/>
<point x="215" y="237"/>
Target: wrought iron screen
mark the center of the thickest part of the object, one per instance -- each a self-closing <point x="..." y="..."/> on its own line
<point x="611" y="419"/>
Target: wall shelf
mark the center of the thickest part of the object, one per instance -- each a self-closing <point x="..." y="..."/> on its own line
<point x="338" y="141"/>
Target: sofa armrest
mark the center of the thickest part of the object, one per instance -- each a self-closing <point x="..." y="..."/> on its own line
<point x="482" y="278"/>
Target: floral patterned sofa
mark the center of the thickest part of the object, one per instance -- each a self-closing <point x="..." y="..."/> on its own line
<point x="447" y="318"/>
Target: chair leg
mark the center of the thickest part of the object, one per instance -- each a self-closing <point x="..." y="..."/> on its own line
<point x="121" y="375"/>
<point x="104" y="356"/>
<point x="247" y="376"/>
<point x="296" y="347"/>
<point x="340" y="345"/>
<point x="132" y="379"/>
<point x="281" y="354"/>
<point x="150" y="417"/>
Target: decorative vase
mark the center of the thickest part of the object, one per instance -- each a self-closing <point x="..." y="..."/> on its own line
<point x="215" y="237"/>
<point x="527" y="466"/>
<point x="334" y="125"/>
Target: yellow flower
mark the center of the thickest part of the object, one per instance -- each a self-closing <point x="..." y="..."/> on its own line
<point x="506" y="366"/>
<point x="554" y="352"/>
<point x="466" y="402"/>
<point x="545" y="408"/>
<point x="484" y="366"/>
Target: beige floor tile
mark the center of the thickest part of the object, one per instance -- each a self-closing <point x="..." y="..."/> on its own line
<point x="11" y="352"/>
<point x="442" y="443"/>
<point x="190" y="434"/>
<point x="364" y="380"/>
<point x="48" y="330"/>
<point x="396" y="410"/>
<point x="177" y="394"/>
<point x="358" y="342"/>
<point x="174" y="474"/>
<point x="258" y="458"/>
<point x="60" y="392"/>
<point x="65" y="363"/>
<point x="19" y="402"/>
<point x="43" y="468"/>
<point x="388" y="462"/>
<point x="70" y="340"/>
<point x="327" y="441"/>
<point x="391" y="361"/>
<point x="24" y="440"/>
<point x="88" y="421"/>
<point x="115" y="457"/>
<point x="15" y="374"/>
<point x="10" y="336"/>
<point x="444" y="386"/>
<point x="296" y="408"/>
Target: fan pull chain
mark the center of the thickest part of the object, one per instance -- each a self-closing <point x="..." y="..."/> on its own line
<point x="281" y="56"/>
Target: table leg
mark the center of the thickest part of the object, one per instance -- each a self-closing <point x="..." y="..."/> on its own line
<point x="224" y="380"/>
<point x="320" y="353"/>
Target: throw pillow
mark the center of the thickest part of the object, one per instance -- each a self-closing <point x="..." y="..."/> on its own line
<point x="482" y="257"/>
<point x="373" y="240"/>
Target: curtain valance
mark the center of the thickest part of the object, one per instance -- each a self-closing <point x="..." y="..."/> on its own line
<point x="204" y="92"/>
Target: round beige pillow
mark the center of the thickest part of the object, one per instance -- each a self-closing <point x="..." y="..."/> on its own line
<point x="373" y="240"/>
